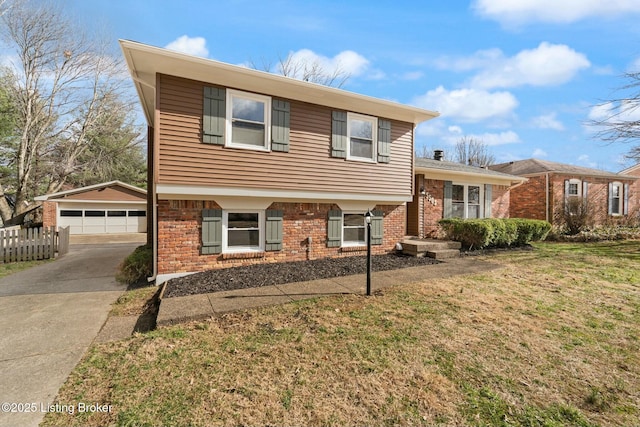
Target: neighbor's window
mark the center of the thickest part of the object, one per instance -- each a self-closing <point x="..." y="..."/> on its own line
<point x="574" y="187"/>
<point x="242" y="231"/>
<point x="248" y="123"/>
<point x="353" y="229"/>
<point x="362" y="132"/>
<point x="615" y="198"/>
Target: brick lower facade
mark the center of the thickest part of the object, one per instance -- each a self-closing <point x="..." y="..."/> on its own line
<point x="180" y="228"/>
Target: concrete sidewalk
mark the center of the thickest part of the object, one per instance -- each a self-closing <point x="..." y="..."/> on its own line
<point x="197" y="307"/>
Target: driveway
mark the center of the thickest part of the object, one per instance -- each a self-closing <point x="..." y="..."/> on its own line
<point x="49" y="315"/>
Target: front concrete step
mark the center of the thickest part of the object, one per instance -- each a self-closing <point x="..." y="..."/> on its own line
<point x="438" y="249"/>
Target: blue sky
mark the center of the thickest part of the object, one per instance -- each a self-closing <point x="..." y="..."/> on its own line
<point x="521" y="75"/>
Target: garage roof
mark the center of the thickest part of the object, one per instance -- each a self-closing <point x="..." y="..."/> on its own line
<point x="67" y="193"/>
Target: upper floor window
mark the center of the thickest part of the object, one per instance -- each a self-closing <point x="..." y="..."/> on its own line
<point x="361" y="131"/>
<point x="248" y="120"/>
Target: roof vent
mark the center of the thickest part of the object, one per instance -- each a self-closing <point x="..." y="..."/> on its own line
<point x="438" y="155"/>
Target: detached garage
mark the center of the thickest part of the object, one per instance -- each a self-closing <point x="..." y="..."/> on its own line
<point x="108" y="208"/>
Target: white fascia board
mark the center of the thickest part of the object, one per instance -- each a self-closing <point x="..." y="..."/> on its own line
<point x="145" y="62"/>
<point x="193" y="192"/>
<point x="112" y="202"/>
<point x="469" y="177"/>
<point x="89" y="188"/>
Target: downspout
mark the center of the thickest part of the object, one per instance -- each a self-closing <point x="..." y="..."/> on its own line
<point x="154" y="245"/>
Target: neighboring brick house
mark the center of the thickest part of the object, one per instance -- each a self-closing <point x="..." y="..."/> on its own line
<point x="634" y="192"/>
<point x="452" y="190"/>
<point x="251" y="167"/>
<point x="552" y="184"/>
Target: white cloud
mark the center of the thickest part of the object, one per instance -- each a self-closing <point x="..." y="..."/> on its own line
<point x="635" y="66"/>
<point x="585" y="160"/>
<point x="196" y="46"/>
<point x="546" y="65"/>
<point x="628" y="111"/>
<point x="468" y="105"/>
<point x="539" y="152"/>
<point x="348" y="62"/>
<point x="502" y="138"/>
<point x="517" y="12"/>
<point x="480" y="59"/>
<point x="547" y="121"/>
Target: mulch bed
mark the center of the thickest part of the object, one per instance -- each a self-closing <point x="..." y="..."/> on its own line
<point x="253" y="276"/>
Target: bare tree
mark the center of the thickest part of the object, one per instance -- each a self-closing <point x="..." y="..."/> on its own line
<point x="58" y="83"/>
<point x="304" y="69"/>
<point x="473" y="152"/>
<point x="619" y="118"/>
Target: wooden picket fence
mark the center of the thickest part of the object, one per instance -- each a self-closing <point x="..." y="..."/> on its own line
<point x="33" y="244"/>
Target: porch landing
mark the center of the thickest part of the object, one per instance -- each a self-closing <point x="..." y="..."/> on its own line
<point x="432" y="248"/>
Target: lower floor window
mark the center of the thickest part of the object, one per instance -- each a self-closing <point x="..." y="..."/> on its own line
<point x="243" y="230"/>
<point x="353" y="230"/>
<point x="466" y="201"/>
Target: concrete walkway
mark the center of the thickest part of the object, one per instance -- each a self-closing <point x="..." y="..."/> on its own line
<point x="197" y="307"/>
<point x="49" y="315"/>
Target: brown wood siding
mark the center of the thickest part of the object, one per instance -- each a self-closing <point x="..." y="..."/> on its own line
<point x="109" y="194"/>
<point x="308" y="166"/>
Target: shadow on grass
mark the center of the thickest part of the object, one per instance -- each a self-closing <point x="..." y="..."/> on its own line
<point x="627" y="249"/>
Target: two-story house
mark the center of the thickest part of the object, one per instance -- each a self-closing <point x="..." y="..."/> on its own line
<point x="248" y="167"/>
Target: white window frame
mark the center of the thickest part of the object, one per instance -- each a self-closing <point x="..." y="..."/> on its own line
<point x="231" y="94"/>
<point x="620" y="198"/>
<point x="242" y="249"/>
<point x="374" y="137"/>
<point x="353" y="243"/>
<point x="578" y="184"/>
<point x="466" y="199"/>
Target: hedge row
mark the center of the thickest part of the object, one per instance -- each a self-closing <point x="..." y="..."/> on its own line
<point x="495" y="232"/>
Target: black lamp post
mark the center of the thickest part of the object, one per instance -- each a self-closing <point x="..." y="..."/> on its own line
<point x="367" y="219"/>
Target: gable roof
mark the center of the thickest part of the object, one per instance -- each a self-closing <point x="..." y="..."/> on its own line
<point x="103" y="185"/>
<point x="531" y="167"/>
<point x="452" y="170"/>
<point x="631" y="170"/>
<point x="146" y="62"/>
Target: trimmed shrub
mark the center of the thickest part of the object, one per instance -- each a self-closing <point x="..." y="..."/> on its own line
<point x="530" y="230"/>
<point x="494" y="232"/>
<point x="137" y="266"/>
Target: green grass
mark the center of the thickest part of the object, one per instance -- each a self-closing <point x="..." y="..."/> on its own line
<point x="14" y="267"/>
<point x="549" y="339"/>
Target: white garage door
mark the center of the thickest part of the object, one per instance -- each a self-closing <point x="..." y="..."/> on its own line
<point x="97" y="220"/>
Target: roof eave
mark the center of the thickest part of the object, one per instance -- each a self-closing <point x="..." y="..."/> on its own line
<point x="46" y="197"/>
<point x="488" y="178"/>
<point x="146" y="62"/>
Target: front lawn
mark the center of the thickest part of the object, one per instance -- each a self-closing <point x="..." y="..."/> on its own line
<point x="550" y="339"/>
